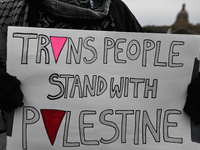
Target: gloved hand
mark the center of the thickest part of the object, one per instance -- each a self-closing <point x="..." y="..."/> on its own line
<point x="192" y="105"/>
<point x="11" y="95"/>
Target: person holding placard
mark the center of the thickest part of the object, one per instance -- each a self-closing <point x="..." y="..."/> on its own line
<point x="107" y="15"/>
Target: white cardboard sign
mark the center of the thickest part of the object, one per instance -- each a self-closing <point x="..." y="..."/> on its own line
<point x="101" y="90"/>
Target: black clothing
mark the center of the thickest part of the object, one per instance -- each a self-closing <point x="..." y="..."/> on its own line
<point x="119" y="18"/>
<point x="123" y="18"/>
<point x="11" y="95"/>
<point x="192" y="105"/>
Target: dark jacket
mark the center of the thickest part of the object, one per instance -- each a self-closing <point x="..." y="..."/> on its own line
<point x="119" y="17"/>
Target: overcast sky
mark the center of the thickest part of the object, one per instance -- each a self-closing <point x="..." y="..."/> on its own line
<point x="163" y="12"/>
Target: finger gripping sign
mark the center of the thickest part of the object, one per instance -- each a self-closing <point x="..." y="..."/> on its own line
<point x="100" y="90"/>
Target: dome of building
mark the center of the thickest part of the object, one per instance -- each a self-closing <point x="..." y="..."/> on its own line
<point x="182" y="15"/>
<point x="180" y="26"/>
<point x="181" y="21"/>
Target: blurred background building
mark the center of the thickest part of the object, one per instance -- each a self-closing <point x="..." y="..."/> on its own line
<point x="180" y="26"/>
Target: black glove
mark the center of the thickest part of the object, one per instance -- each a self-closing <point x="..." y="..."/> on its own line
<point x="10" y="93"/>
<point x="192" y="105"/>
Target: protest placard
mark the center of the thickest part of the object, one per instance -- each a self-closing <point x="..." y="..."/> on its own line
<point x="101" y="90"/>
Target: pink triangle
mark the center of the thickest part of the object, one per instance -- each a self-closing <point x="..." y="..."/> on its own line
<point x="52" y="120"/>
<point x="57" y="45"/>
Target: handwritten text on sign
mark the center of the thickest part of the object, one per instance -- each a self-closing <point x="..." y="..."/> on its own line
<point x="96" y="89"/>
